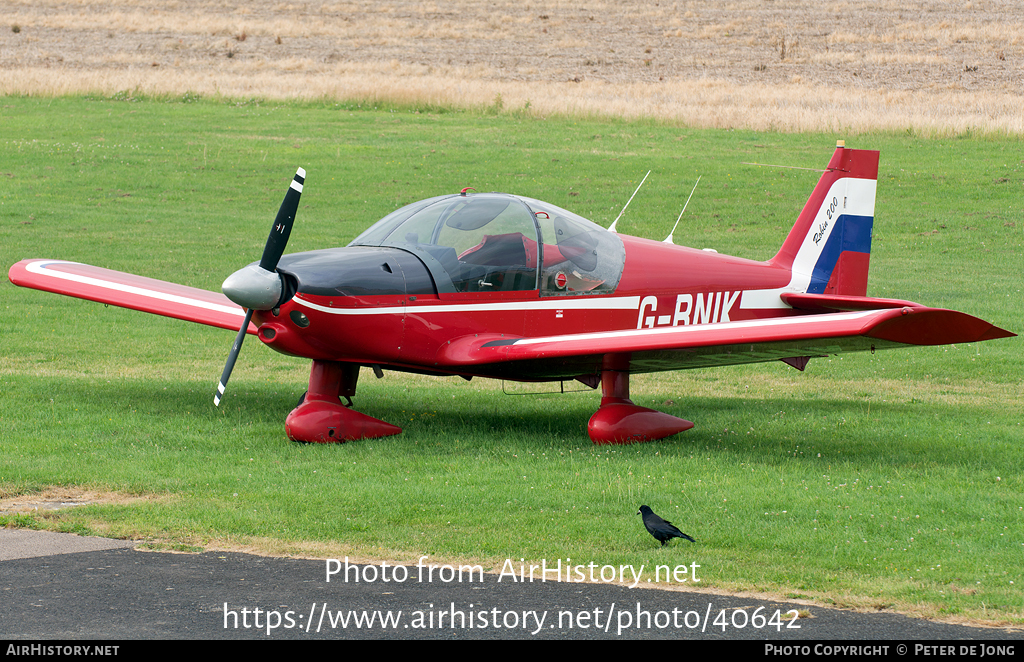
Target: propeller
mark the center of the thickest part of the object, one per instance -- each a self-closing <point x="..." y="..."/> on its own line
<point x="260" y="287"/>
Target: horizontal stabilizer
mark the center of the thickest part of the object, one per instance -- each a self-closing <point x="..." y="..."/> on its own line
<point x="835" y="303"/>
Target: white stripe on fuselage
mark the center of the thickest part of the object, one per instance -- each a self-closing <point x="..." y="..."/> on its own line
<point x="588" y="303"/>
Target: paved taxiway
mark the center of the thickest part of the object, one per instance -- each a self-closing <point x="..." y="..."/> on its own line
<point x="62" y="586"/>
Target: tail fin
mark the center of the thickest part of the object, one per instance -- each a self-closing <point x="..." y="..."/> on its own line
<point x="829" y="247"/>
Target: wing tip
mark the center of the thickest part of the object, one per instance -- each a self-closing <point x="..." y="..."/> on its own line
<point x="995" y="333"/>
<point x="937" y="326"/>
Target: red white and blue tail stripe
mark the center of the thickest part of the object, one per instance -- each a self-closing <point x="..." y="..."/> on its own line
<point x="829" y="247"/>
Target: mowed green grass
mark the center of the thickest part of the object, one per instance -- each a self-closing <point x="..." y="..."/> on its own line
<point x="891" y="480"/>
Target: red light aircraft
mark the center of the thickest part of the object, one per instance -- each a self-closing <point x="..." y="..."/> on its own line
<point x="508" y="287"/>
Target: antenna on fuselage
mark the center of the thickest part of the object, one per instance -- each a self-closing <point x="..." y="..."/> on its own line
<point x="668" y="239"/>
<point x="611" y="228"/>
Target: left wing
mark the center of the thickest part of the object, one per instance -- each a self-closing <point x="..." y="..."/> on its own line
<point x="704" y="345"/>
<point x="130" y="291"/>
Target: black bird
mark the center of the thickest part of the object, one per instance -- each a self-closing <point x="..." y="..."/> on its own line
<point x="661" y="529"/>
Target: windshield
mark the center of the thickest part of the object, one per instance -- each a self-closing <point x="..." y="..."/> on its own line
<point x="471" y="243"/>
<point x="492" y="242"/>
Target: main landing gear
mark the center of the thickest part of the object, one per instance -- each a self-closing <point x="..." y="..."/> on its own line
<point x="321" y="418"/>
<point x="619" y="421"/>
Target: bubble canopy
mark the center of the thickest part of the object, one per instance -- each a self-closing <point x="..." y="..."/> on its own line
<point x="494" y="242"/>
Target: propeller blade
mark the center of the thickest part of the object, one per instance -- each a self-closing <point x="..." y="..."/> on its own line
<point x="272" y="253"/>
<point x="232" y="357"/>
<point x="282" y="228"/>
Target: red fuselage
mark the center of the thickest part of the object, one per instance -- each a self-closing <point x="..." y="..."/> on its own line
<point x="661" y="285"/>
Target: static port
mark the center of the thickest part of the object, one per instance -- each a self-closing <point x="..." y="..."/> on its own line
<point x="299" y="318"/>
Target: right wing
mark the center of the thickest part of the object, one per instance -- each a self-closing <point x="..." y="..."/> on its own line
<point x="706" y="345"/>
<point x="130" y="291"/>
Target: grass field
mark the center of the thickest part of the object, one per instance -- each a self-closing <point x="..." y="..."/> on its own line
<point x="893" y="480"/>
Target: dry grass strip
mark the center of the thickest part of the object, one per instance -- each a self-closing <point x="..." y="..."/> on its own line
<point x="936" y="67"/>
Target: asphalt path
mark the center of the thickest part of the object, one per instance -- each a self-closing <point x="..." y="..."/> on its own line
<point x="67" y="587"/>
